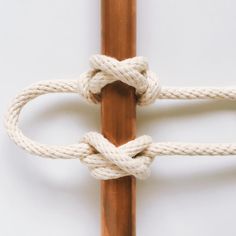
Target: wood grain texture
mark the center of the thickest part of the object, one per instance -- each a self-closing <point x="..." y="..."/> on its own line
<point x="118" y="116"/>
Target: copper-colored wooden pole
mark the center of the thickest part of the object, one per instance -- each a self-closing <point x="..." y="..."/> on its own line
<point x="118" y="116"/>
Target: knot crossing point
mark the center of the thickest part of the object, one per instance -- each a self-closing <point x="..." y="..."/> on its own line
<point x="110" y="162"/>
<point x="133" y="72"/>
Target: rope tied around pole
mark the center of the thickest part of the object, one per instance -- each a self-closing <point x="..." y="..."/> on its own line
<point x="103" y="159"/>
<point x="133" y="71"/>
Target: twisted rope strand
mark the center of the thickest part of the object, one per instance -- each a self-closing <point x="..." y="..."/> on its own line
<point x="103" y="159"/>
<point x="227" y="93"/>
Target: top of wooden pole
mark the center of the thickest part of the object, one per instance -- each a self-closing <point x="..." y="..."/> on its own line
<point x="119" y="28"/>
<point x="118" y="111"/>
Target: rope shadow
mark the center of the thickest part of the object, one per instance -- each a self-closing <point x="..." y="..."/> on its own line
<point x="74" y="108"/>
<point x="184" y="184"/>
<point x="147" y="116"/>
<point x="83" y="189"/>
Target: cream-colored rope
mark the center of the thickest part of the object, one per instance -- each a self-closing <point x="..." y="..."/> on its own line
<point x="134" y="72"/>
<point x="104" y="160"/>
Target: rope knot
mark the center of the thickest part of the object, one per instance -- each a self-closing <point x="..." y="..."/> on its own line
<point x="133" y="72"/>
<point x="107" y="161"/>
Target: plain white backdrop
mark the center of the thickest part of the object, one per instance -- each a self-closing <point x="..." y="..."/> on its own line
<point x="188" y="43"/>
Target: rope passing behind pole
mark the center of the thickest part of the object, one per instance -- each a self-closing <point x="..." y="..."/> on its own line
<point x="119" y="84"/>
<point x="118" y="115"/>
<point x="103" y="159"/>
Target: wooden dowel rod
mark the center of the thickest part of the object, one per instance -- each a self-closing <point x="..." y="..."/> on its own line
<point x="118" y="116"/>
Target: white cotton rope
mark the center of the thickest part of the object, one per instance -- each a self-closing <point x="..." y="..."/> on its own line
<point x="103" y="159"/>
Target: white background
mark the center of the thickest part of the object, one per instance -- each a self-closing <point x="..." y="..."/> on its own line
<point x="188" y="43"/>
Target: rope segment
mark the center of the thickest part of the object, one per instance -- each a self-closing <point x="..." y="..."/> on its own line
<point x="103" y="159"/>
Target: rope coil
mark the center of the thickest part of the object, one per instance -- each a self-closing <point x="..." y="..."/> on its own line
<point x="103" y="159"/>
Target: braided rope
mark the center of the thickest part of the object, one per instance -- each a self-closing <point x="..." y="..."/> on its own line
<point x="227" y="93"/>
<point x="103" y="159"/>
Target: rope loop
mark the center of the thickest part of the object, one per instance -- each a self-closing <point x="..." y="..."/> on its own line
<point x="104" y="160"/>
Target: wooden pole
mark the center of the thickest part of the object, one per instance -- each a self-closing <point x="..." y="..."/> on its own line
<point x="118" y="112"/>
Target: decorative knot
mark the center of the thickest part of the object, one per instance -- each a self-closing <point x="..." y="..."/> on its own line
<point x="106" y="161"/>
<point x="133" y="72"/>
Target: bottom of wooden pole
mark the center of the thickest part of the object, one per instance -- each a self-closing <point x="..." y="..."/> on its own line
<point x="118" y="207"/>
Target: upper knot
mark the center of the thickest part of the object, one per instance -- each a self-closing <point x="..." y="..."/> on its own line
<point x="106" y="161"/>
<point x="133" y="72"/>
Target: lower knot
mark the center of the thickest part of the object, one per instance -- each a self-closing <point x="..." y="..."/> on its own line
<point x="107" y="161"/>
<point x="133" y="72"/>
